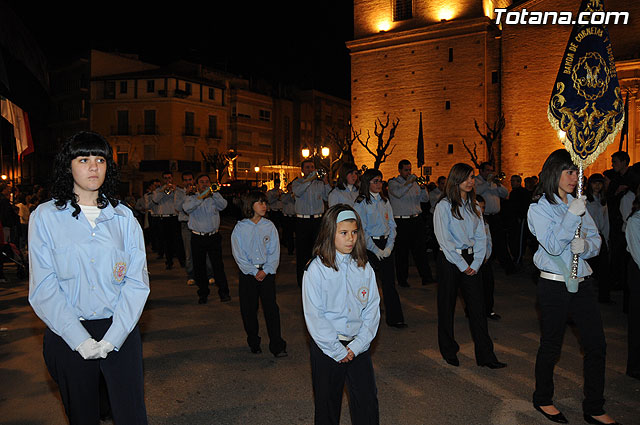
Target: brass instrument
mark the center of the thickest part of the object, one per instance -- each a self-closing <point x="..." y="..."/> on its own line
<point x="215" y="187"/>
<point x="421" y="180"/>
<point x="190" y="189"/>
<point x="168" y="189"/>
<point x="500" y="177"/>
<point x="321" y="173"/>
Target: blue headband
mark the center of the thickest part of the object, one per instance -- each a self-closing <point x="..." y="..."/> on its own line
<point x="346" y="215"/>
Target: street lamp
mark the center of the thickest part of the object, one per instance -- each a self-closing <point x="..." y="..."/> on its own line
<point x="324" y="152"/>
<point x="306" y="152"/>
<point x="257" y="170"/>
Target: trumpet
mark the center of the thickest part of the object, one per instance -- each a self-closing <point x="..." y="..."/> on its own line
<point x="500" y="177"/>
<point x="421" y="180"/>
<point x="168" y="189"/>
<point x="321" y="173"/>
<point x="215" y="187"/>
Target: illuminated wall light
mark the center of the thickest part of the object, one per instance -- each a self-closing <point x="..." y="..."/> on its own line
<point x="445" y="14"/>
<point x="384" y="26"/>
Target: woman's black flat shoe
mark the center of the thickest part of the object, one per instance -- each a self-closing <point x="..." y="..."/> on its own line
<point x="558" y="418"/>
<point x="591" y="420"/>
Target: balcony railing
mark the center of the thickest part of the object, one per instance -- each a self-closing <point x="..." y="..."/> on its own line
<point x="191" y="131"/>
<point x="147" y="129"/>
<point x="214" y="134"/>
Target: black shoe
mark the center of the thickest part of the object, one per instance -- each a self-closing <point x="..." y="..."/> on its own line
<point x="453" y="361"/>
<point x="494" y="316"/>
<point x="202" y="300"/>
<point x="225" y="299"/>
<point x="591" y="420"/>
<point x="494" y="365"/>
<point x="558" y="417"/>
<point x="399" y="325"/>
<point x="403" y="284"/>
<point x="282" y="353"/>
<point x="256" y="350"/>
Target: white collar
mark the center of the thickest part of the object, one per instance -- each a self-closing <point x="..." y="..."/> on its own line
<point x="375" y="196"/>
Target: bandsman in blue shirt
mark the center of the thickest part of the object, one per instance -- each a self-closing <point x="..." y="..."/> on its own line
<point x="380" y="235"/>
<point x="461" y="234"/>
<point x="553" y="220"/>
<point x="405" y="195"/>
<point x="203" y="209"/>
<point x="256" y="249"/>
<point x="311" y="193"/>
<point x="89" y="283"/>
<point x="169" y="227"/>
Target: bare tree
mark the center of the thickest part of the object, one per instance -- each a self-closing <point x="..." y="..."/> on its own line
<point x="491" y="136"/>
<point x="474" y="154"/>
<point x="380" y="155"/>
<point x="343" y="146"/>
<point x="219" y="161"/>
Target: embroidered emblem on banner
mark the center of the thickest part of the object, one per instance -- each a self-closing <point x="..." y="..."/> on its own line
<point x="363" y="294"/>
<point x="119" y="271"/>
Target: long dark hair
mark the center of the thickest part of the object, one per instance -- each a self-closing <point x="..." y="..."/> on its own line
<point x="458" y="174"/>
<point x="594" y="178"/>
<point x="552" y="169"/>
<point x="365" y="180"/>
<point x="325" y="245"/>
<point x="249" y="199"/>
<point x="345" y="168"/>
<point x="83" y="143"/>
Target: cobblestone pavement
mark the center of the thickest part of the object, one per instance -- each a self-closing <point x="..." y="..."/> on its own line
<point x="199" y="370"/>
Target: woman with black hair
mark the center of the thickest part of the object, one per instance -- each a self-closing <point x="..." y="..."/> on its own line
<point x="89" y="284"/>
<point x="346" y="189"/>
<point x="553" y="220"/>
<point x="379" y="227"/>
<point x="460" y="230"/>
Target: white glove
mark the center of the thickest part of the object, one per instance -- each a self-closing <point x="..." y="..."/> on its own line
<point x="386" y="252"/>
<point x="578" y="206"/>
<point x="380" y="254"/>
<point x="578" y="245"/>
<point x="105" y="348"/>
<point x="90" y="349"/>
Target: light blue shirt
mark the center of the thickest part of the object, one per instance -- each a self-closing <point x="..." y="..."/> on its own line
<point x="343" y="302"/>
<point x="491" y="193"/>
<point x="377" y="220"/>
<point x="288" y="204"/>
<point x="626" y="205"/>
<point x="256" y="244"/>
<point x="310" y="196"/>
<point x="79" y="272"/>
<point x="204" y="214"/>
<point x="489" y="241"/>
<point x="273" y="198"/>
<point x="151" y="206"/>
<point x="166" y="203"/>
<point x="405" y="198"/>
<point x="600" y="215"/>
<point x="180" y="195"/>
<point x="455" y="234"/>
<point x="554" y="227"/>
<point x="343" y="196"/>
<point x="632" y="233"/>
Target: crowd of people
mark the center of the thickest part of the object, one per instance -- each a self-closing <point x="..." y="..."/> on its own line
<point x="347" y="239"/>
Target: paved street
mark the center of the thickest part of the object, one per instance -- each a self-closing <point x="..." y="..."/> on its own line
<point x="199" y="370"/>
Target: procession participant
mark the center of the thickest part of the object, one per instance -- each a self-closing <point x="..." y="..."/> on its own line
<point x="342" y="313"/>
<point x="380" y="233"/>
<point x="492" y="190"/>
<point x="275" y="204"/>
<point x="165" y="198"/>
<point x="597" y="207"/>
<point x="256" y="248"/>
<point x="553" y="220"/>
<point x="435" y="194"/>
<point x="310" y="192"/>
<point x="288" y="218"/>
<point x="89" y="283"/>
<point x="405" y="195"/>
<point x="460" y="231"/>
<point x="203" y="209"/>
<point x="188" y="188"/>
<point x="346" y="188"/>
<point x="632" y="234"/>
<point x="519" y="200"/>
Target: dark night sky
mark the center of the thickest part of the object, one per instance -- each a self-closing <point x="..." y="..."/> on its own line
<point x="296" y="41"/>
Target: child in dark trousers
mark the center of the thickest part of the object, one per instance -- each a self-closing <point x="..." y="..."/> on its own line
<point x="256" y="249"/>
<point x="342" y="312"/>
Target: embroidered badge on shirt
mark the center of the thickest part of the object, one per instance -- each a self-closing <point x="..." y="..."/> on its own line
<point x="386" y="216"/>
<point x="363" y="294"/>
<point x="119" y="271"/>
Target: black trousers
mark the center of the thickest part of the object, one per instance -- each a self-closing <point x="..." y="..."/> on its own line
<point x="450" y="279"/>
<point x="79" y="380"/>
<point x="252" y="293"/>
<point x="517" y="237"/>
<point x="410" y="237"/>
<point x="276" y="217"/>
<point x="306" y="233"/>
<point x="211" y="246"/>
<point x="488" y="285"/>
<point x="499" y="238"/>
<point x="171" y="239"/>
<point x="329" y="377"/>
<point x="156" y="239"/>
<point x="556" y="306"/>
<point x="602" y="271"/>
<point x="385" y="272"/>
<point x="288" y="227"/>
<point x="633" y="317"/>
